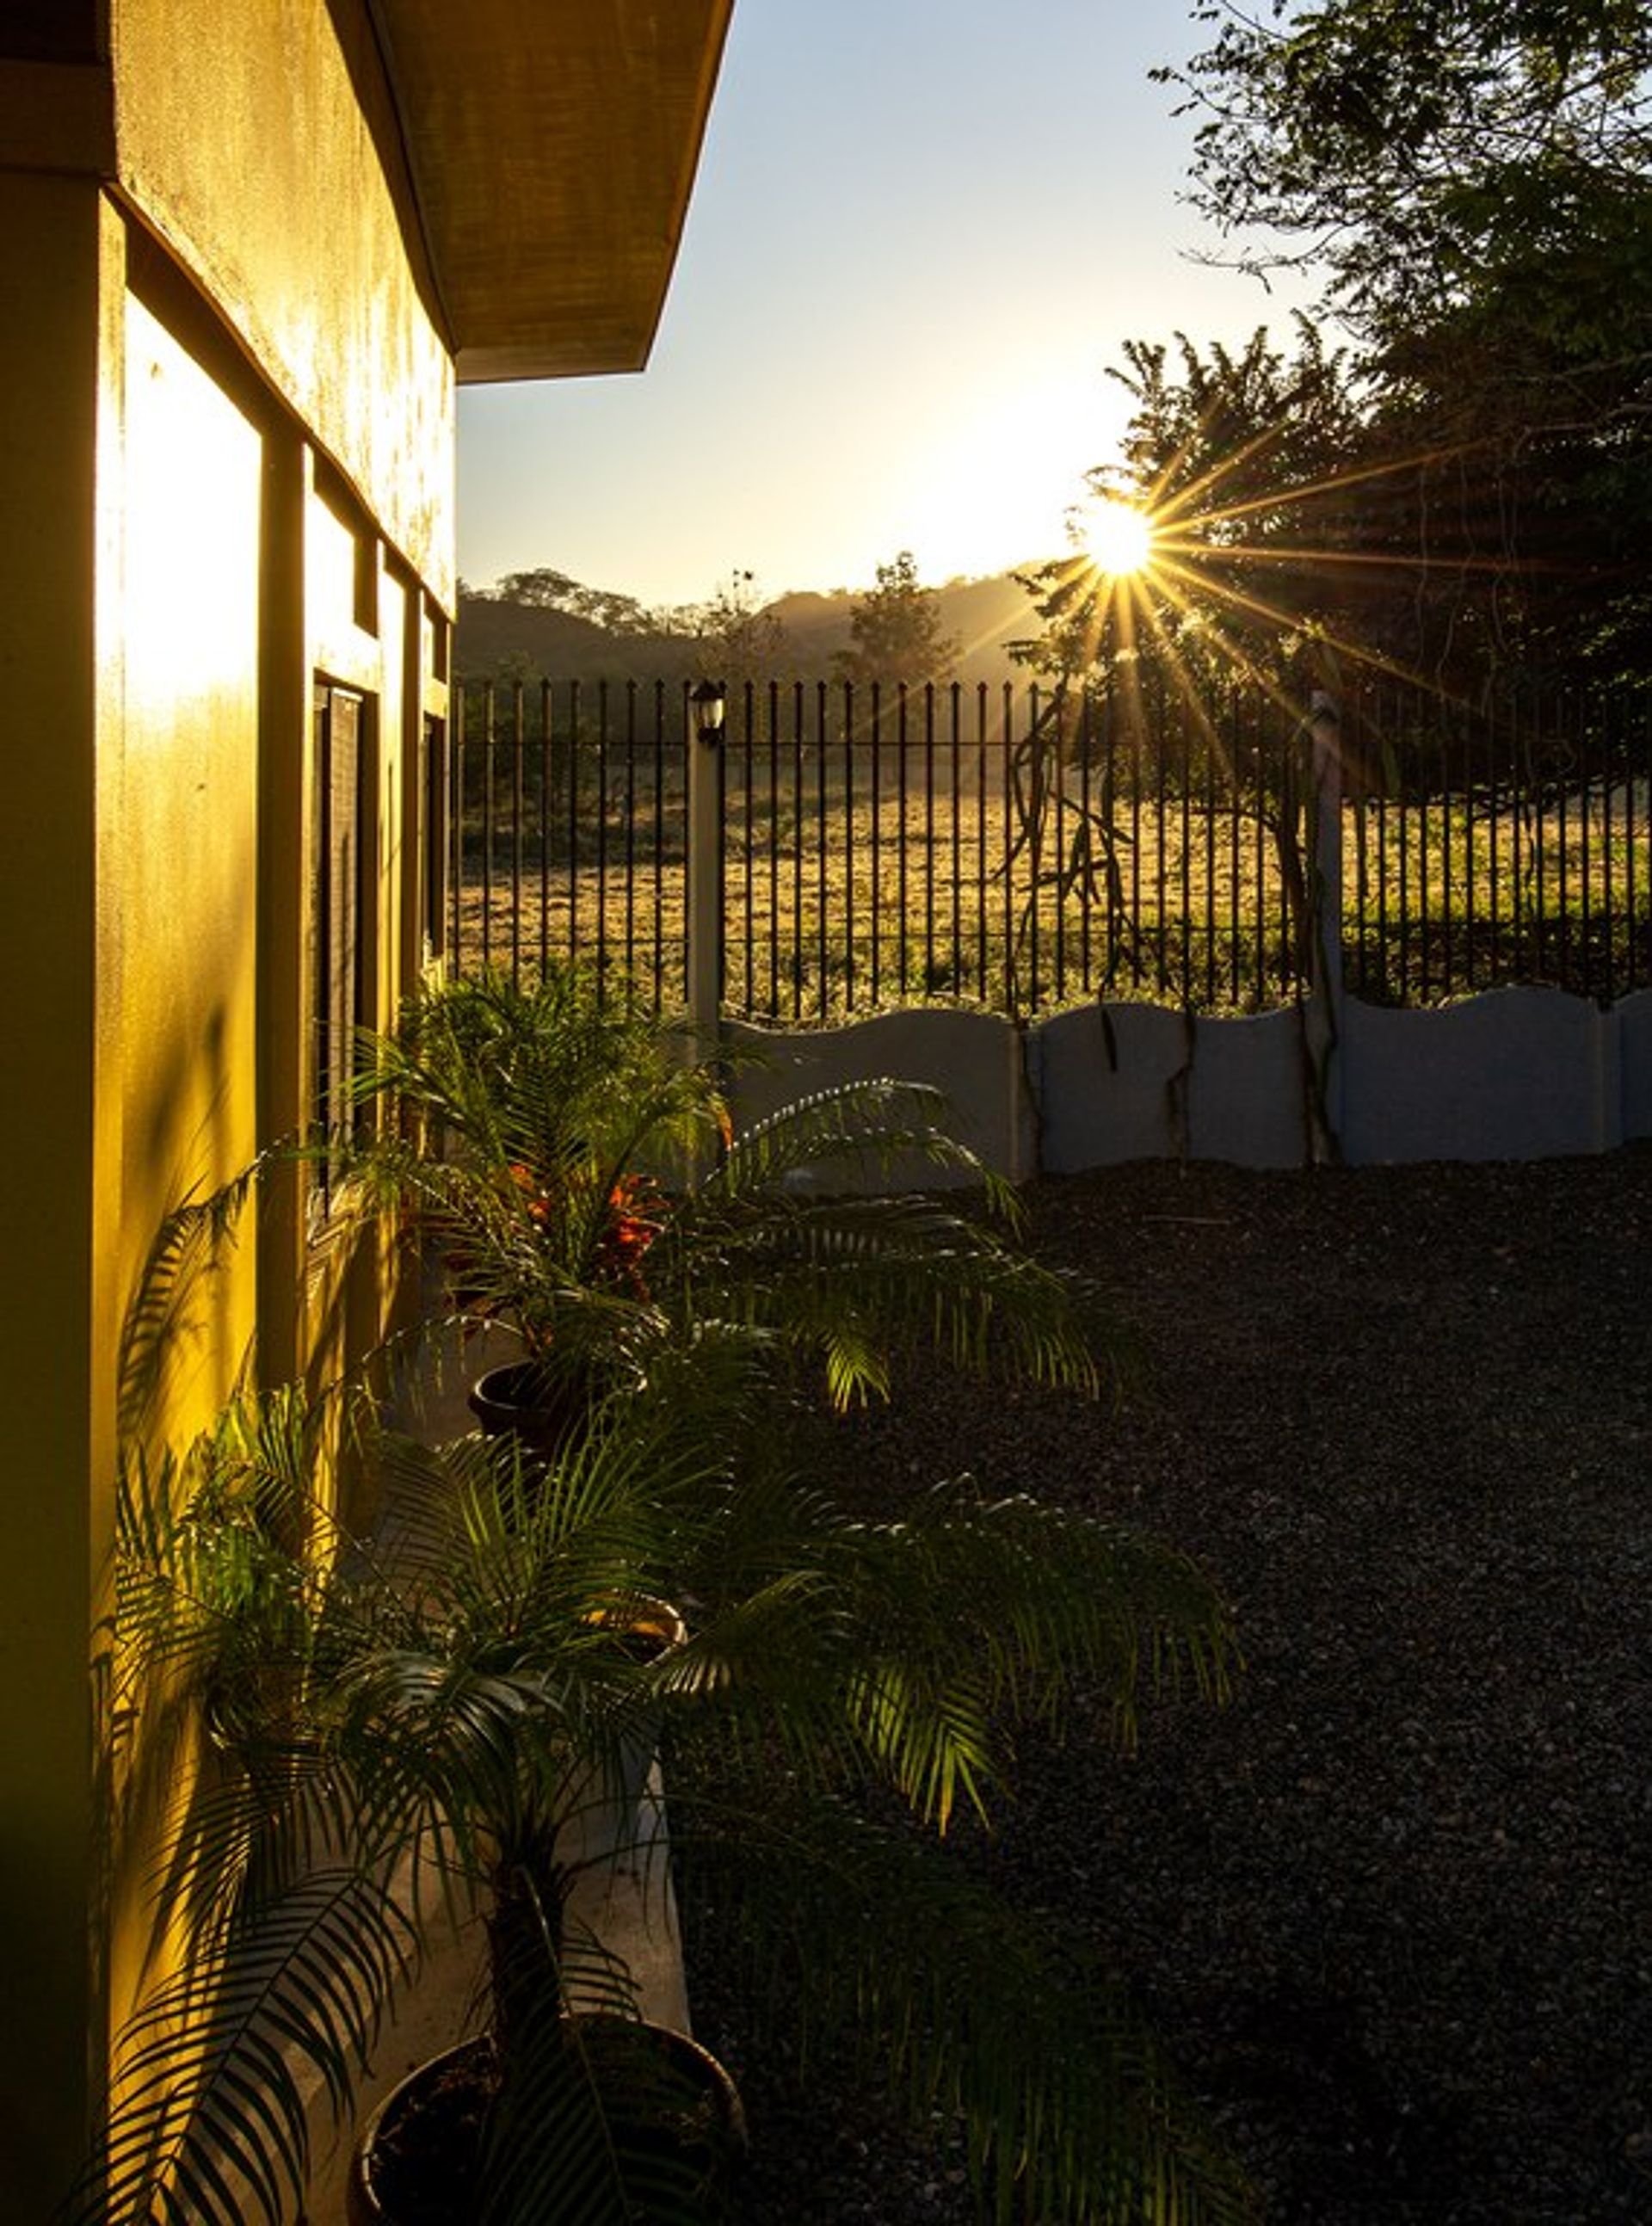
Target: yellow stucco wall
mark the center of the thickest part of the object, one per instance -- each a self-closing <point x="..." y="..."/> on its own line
<point x="227" y="468"/>
<point x="180" y="496"/>
<point x="257" y="142"/>
<point x="178" y="777"/>
<point x="49" y="1202"/>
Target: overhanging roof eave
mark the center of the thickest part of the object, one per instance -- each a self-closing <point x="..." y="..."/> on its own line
<point x="551" y="193"/>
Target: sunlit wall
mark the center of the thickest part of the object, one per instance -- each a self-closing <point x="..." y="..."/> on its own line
<point x="225" y="494"/>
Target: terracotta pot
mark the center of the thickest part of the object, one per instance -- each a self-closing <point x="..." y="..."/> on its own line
<point x="615" y="1813"/>
<point x="415" y="2162"/>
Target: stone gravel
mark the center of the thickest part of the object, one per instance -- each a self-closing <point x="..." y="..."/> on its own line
<point x="1390" y="1910"/>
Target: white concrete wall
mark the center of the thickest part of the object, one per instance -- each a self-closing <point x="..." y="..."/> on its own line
<point x="1516" y="1074"/>
<point x="975" y="1057"/>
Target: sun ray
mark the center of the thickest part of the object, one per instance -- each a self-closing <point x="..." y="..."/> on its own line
<point x="1184" y="584"/>
<point x="1204" y="581"/>
<point x="1189" y="498"/>
<point x="1307" y="490"/>
<point x="1189" y="697"/>
<point x="1234" y="651"/>
<point x="1273" y="552"/>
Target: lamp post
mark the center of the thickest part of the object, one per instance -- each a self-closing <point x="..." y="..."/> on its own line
<point x="1325" y="1019"/>
<point x="710" y="701"/>
<point x="707" y="707"/>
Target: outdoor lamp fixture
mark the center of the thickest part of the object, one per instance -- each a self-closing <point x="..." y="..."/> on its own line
<point x="710" y="701"/>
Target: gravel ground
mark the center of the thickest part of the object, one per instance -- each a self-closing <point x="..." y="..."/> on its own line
<point x="1391" y="1910"/>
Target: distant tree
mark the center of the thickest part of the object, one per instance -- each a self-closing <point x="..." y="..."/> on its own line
<point x="896" y="631"/>
<point x="549" y="590"/>
<point x="541" y="590"/>
<point x="735" y="639"/>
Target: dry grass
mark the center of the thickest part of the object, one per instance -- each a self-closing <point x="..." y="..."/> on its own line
<point x="938" y="894"/>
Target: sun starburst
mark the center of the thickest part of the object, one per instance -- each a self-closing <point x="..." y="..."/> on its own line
<point x="1204" y="573"/>
<point x="1118" y="537"/>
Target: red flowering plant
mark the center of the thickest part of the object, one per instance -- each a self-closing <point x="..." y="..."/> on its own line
<point x="581" y="1179"/>
<point x="534" y="1137"/>
<point x="637" y="1206"/>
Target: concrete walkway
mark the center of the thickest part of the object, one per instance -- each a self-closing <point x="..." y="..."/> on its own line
<point x="625" y="1902"/>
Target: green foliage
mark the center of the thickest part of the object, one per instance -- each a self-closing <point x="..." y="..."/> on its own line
<point x="1389" y="142"/>
<point x="1474" y="180"/>
<point x="414" y="1721"/>
<point x="579" y="1171"/>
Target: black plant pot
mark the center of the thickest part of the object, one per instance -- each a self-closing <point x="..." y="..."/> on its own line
<point x="516" y="1401"/>
<point x="673" y="2117"/>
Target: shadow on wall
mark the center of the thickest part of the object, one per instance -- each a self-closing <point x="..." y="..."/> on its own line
<point x="189" y="1131"/>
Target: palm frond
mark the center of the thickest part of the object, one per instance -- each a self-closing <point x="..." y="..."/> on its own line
<point x="1038" y="1597"/>
<point x="916" y="1644"/>
<point x="857" y="1279"/>
<point x="212" y="2123"/>
<point x="856" y="1132"/>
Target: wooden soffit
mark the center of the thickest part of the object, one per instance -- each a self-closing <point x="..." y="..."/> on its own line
<point x="551" y="146"/>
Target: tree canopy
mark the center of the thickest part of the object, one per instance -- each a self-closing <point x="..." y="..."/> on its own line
<point x="1462" y="489"/>
<point x="1421" y="152"/>
<point x="896" y="630"/>
<point x="548" y="590"/>
<point x="1239" y="456"/>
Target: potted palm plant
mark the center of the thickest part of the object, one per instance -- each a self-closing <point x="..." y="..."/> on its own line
<point x="583" y="1182"/>
<point x="399" y="1724"/>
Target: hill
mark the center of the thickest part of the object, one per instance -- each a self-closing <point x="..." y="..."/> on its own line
<point x="500" y="638"/>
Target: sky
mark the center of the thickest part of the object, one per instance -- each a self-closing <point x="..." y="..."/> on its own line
<point x="921" y="230"/>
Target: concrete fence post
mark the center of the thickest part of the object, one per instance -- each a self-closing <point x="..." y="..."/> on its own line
<point x="703" y="741"/>
<point x="1324" y="1012"/>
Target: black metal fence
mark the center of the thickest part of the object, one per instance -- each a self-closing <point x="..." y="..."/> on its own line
<point x="1022" y="849"/>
